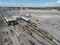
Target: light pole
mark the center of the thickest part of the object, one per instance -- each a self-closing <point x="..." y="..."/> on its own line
<point x="21" y="4"/>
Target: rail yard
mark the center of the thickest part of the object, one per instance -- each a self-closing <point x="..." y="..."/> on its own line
<point x="33" y="27"/>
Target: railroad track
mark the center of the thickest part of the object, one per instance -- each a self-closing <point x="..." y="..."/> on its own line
<point x="44" y="33"/>
<point x="50" y="38"/>
<point x="32" y="30"/>
<point x="30" y="33"/>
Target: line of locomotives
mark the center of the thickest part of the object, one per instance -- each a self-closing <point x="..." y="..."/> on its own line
<point x="34" y="26"/>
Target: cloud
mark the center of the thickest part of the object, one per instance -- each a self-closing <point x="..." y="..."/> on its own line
<point x="9" y="4"/>
<point x="40" y="5"/>
<point x="58" y="1"/>
<point x="51" y="4"/>
<point x="28" y="5"/>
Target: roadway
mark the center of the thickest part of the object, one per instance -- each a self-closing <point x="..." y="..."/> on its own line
<point x="13" y="36"/>
<point x="1" y="29"/>
<point x="1" y="39"/>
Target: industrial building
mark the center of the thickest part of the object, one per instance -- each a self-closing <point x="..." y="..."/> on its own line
<point x="11" y="20"/>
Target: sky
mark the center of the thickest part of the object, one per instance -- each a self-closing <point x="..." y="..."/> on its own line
<point x="30" y="3"/>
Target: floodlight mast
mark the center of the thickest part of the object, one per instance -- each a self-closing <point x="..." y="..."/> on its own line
<point x="21" y="6"/>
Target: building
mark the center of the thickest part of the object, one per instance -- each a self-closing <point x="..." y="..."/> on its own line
<point x="11" y="20"/>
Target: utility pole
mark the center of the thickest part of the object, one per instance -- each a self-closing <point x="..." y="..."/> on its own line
<point x="21" y="6"/>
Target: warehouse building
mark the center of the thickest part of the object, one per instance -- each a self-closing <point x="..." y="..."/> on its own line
<point x="11" y="20"/>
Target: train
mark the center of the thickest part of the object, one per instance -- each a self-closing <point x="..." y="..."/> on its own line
<point x="25" y="19"/>
<point x="44" y="33"/>
<point x="25" y="29"/>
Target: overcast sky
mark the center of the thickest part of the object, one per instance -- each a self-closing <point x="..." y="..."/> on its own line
<point x="30" y="3"/>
